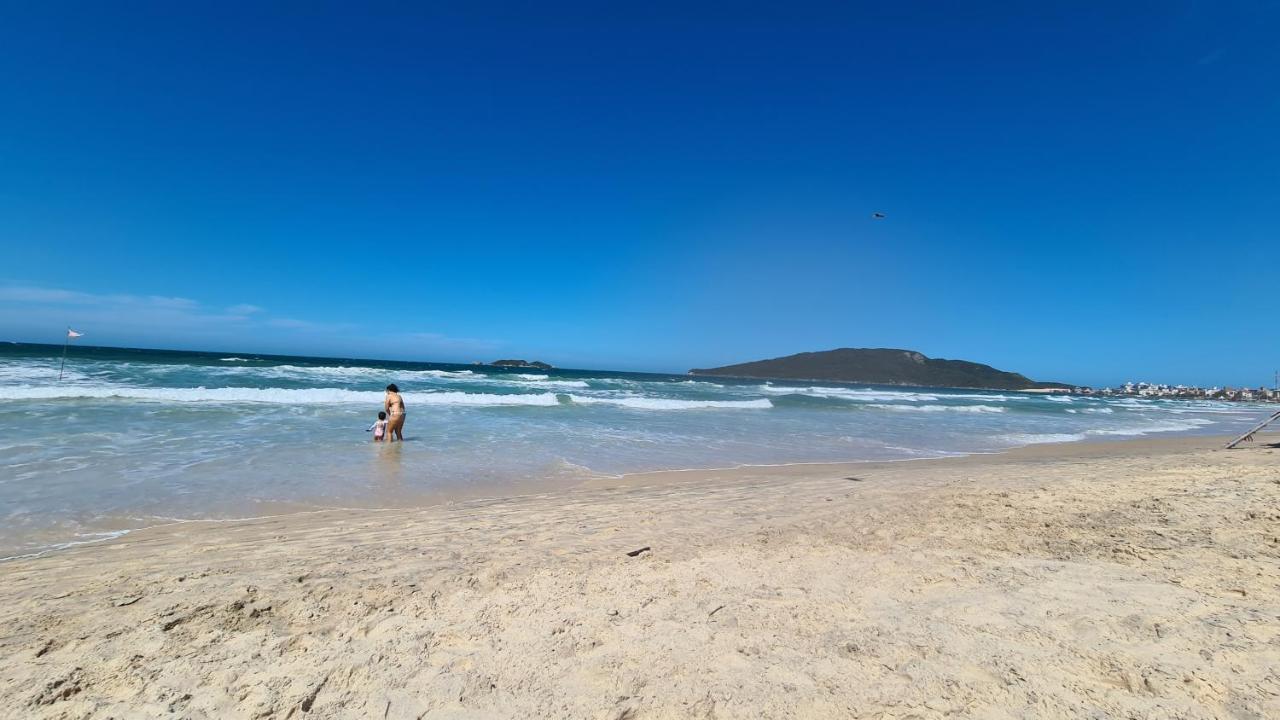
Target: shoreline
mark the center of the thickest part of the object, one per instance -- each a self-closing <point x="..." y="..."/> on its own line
<point x="543" y="488"/>
<point x="649" y="479"/>
<point x="544" y="485"/>
<point x="1119" y="578"/>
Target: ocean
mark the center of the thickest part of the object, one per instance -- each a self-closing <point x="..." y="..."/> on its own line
<point x="134" y="438"/>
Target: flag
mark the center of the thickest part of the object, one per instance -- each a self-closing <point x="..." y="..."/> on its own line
<point x="72" y="334"/>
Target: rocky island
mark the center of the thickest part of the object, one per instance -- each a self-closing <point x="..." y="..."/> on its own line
<point x="532" y="364"/>
<point x="881" y="366"/>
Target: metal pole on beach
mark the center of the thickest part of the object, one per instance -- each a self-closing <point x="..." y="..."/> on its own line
<point x="65" y="343"/>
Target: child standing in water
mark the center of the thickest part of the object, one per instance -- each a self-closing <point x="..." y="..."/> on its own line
<point x="379" y="428"/>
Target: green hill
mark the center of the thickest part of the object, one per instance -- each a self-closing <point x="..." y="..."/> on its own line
<point x="880" y="366"/>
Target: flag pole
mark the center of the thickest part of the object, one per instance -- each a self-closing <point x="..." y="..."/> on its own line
<point x="65" y="343"/>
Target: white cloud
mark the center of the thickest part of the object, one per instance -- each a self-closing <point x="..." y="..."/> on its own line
<point x="57" y="296"/>
<point x="175" y="303"/>
<point x="110" y="318"/>
<point x="40" y="295"/>
<point x="41" y="314"/>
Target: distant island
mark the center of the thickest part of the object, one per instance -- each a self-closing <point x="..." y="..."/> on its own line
<point x="882" y="366"/>
<point x="535" y="364"/>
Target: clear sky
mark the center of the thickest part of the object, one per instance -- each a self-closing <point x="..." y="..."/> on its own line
<point x="1085" y="192"/>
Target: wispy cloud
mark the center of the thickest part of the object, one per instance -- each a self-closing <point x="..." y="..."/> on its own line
<point x="30" y="312"/>
<point x="57" y="296"/>
<point x="25" y="310"/>
<point x="175" y="303"/>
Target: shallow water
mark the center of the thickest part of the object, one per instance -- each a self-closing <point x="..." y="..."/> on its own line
<point x="131" y="438"/>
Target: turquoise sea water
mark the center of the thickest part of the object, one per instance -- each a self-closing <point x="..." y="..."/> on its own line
<point x="132" y="438"/>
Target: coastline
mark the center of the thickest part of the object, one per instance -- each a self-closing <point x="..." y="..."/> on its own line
<point x="540" y="486"/>
<point x="1052" y="579"/>
<point x="96" y="456"/>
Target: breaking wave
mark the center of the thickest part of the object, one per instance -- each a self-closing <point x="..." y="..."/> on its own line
<point x="278" y="396"/>
<point x="1040" y="438"/>
<point x="540" y="381"/>
<point x="1161" y="427"/>
<point x="848" y="393"/>
<point x="939" y="408"/>
<point x="643" y="403"/>
<point x="555" y="384"/>
<point x="358" y="372"/>
<point x="481" y="399"/>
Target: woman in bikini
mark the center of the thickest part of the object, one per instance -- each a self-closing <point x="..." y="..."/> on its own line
<point x="394" y="405"/>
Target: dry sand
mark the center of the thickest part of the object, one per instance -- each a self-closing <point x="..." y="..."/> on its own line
<point x="1125" y="580"/>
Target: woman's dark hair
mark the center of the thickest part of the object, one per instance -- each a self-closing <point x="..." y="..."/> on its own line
<point x="392" y="388"/>
<point x="382" y="416"/>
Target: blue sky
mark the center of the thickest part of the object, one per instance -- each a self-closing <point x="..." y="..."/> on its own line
<point x="1079" y="193"/>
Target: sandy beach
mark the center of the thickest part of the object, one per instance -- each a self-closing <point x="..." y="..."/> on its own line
<point x="1135" y="580"/>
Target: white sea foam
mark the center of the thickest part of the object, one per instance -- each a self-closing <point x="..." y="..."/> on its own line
<point x="870" y="395"/>
<point x="985" y="396"/>
<point x="24" y="374"/>
<point x="279" y="396"/>
<point x="307" y="373"/>
<point x="541" y="381"/>
<point x="921" y="452"/>
<point x="481" y="399"/>
<point x="1039" y="438"/>
<point x="353" y="372"/>
<point x="1058" y="398"/>
<point x="553" y="384"/>
<point x="1159" y="427"/>
<point x="235" y="359"/>
<point x="939" y="408"/>
<point x="1211" y="411"/>
<point x="1135" y="402"/>
<point x="90" y="539"/>
<point x="644" y="403"/>
<point x="855" y="394"/>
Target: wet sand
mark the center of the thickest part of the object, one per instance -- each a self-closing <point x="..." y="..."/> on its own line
<point x="1136" y="579"/>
